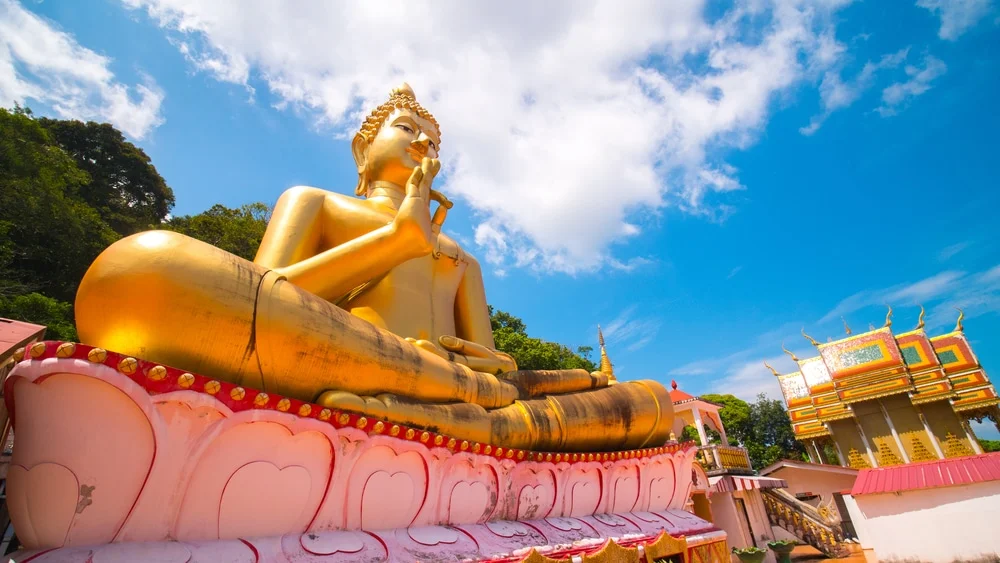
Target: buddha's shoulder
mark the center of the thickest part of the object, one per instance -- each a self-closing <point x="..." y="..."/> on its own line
<point x="330" y="197"/>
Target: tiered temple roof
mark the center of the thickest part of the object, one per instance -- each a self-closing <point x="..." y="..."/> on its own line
<point x="879" y="363"/>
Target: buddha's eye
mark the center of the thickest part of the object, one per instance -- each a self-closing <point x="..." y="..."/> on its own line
<point x="433" y="145"/>
<point x="406" y="128"/>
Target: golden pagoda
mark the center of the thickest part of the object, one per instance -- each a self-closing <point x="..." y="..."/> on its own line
<point x="890" y="398"/>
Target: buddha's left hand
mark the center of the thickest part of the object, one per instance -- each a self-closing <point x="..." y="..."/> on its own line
<point x="476" y="356"/>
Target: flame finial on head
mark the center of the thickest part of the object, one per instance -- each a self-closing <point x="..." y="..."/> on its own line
<point x="785" y="350"/>
<point x="809" y="338"/>
<point x="920" y="320"/>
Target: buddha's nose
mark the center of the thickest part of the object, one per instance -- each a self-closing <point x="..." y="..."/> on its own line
<point x="421" y="144"/>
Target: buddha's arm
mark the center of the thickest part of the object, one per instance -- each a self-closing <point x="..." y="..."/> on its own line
<point x="293" y="235"/>
<point x="472" y="316"/>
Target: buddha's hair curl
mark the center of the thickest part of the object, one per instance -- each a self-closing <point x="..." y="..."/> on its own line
<point x="401" y="97"/>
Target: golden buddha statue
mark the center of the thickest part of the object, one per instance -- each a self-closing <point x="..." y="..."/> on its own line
<point x="360" y="305"/>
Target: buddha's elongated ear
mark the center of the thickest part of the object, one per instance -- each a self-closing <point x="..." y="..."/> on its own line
<point x="359" y="148"/>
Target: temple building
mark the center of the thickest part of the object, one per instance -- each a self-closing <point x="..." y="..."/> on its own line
<point x="883" y="399"/>
<point x="895" y="409"/>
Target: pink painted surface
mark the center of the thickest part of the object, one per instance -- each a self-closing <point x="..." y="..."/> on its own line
<point x="492" y="541"/>
<point x="928" y="474"/>
<point x="75" y="475"/>
<point x="219" y="474"/>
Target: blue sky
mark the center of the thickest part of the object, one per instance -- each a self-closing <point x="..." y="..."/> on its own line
<point x="703" y="180"/>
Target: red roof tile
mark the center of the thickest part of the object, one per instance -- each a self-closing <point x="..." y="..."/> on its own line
<point x="929" y="474"/>
<point x="676" y="395"/>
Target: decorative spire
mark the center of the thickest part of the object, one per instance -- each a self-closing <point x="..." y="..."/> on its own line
<point x="606" y="367"/>
<point x="888" y="317"/>
<point x="920" y="321"/>
<point x="785" y="350"/>
<point x="809" y="338"/>
<point x="673" y="384"/>
<point x="958" y="323"/>
<point x="774" y="371"/>
<point x="847" y="329"/>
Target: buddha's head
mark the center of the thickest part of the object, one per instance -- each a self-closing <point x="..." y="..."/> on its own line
<point x="393" y="139"/>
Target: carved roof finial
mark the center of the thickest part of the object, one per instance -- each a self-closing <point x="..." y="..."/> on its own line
<point x="958" y="323"/>
<point x="774" y="371"/>
<point x="785" y="350"/>
<point x="809" y="338"/>
<point x="847" y="329"/>
<point x="888" y="317"/>
<point x="920" y="320"/>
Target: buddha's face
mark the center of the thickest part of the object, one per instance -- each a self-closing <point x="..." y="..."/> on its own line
<point x="403" y="141"/>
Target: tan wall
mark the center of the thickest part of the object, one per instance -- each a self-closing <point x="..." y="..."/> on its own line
<point x="942" y="419"/>
<point x="822" y="483"/>
<point x="873" y="422"/>
<point x="845" y="433"/>
<point x="907" y="422"/>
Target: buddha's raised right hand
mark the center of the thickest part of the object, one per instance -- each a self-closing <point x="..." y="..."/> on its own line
<point x="413" y="219"/>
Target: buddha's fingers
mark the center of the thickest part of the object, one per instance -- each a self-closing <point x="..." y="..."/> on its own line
<point x="479" y="356"/>
<point x="430" y="347"/>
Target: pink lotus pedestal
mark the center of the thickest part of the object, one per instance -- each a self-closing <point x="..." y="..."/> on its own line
<point x="111" y="451"/>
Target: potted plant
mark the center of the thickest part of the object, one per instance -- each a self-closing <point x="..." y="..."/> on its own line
<point x="750" y="554"/>
<point x="782" y="549"/>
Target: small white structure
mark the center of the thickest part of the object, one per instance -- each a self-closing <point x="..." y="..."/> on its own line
<point x="733" y="490"/>
<point x="937" y="511"/>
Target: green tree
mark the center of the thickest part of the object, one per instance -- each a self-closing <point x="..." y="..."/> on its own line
<point x="56" y="316"/>
<point x="511" y="336"/>
<point x="50" y="235"/>
<point x="990" y="445"/>
<point x="124" y="186"/>
<point x="238" y="231"/>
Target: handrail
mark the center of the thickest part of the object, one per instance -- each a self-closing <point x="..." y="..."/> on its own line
<point x="804" y="521"/>
<point x="716" y="458"/>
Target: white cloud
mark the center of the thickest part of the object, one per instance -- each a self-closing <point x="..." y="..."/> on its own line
<point x="746" y="380"/>
<point x="836" y="94"/>
<point x="631" y="331"/>
<point x="948" y="252"/>
<point x="976" y="294"/>
<point x="40" y="63"/>
<point x="957" y="16"/>
<point x="900" y="93"/>
<point x="561" y="119"/>
<point x="921" y="291"/>
<point x="742" y="373"/>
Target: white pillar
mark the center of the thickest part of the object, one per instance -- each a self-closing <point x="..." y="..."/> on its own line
<point x="868" y="447"/>
<point x="840" y="454"/>
<point x="722" y="433"/>
<point x="700" y="426"/>
<point x="972" y="437"/>
<point x="930" y="434"/>
<point x="811" y="452"/>
<point x="836" y="444"/>
<point x="819" y="452"/>
<point x="892" y="428"/>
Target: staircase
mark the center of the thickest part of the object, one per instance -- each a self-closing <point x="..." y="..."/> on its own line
<point x="819" y="528"/>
